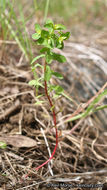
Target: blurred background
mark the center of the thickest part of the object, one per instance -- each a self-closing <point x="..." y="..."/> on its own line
<point x="17" y="17"/>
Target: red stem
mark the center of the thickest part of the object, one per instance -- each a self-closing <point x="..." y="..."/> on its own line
<point x="54" y="120"/>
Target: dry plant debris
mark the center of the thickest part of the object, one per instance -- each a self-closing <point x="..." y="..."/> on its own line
<point x="18" y="141"/>
<point x="81" y="158"/>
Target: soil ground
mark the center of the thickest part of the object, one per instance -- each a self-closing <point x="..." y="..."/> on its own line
<point x="81" y="157"/>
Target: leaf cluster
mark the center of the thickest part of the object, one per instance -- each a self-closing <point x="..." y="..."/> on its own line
<point x="49" y="37"/>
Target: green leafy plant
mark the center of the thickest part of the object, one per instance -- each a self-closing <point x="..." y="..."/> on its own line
<point x="50" y="36"/>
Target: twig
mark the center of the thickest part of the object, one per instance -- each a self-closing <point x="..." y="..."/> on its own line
<point x="20" y="122"/>
<point x="16" y="94"/>
<point x="11" y="154"/>
<point x="93" y="150"/>
<point x="10" y="163"/>
<point x="76" y="126"/>
<point x="20" y="60"/>
<point x="8" y="42"/>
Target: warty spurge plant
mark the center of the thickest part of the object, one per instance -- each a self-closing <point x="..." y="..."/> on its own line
<point x="50" y="37"/>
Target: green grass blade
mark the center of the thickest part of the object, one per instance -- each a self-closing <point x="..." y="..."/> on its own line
<point x="46" y="10"/>
<point x="91" y="109"/>
<point x="14" y="35"/>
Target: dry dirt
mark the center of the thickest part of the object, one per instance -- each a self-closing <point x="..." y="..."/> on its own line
<point x="81" y="157"/>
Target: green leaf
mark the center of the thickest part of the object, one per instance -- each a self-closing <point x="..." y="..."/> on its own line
<point x="38" y="57"/>
<point x="59" y="27"/>
<point x="34" y="72"/>
<point x="32" y="83"/>
<point x="39" y="65"/>
<point x="39" y="102"/>
<point x="58" y="75"/>
<point x="59" y="44"/>
<point x="51" y="43"/>
<point x="61" y="38"/>
<point x="35" y="83"/>
<point x="52" y="107"/>
<point x="49" y="26"/>
<point x="37" y="97"/>
<point x="64" y="36"/>
<point x="66" y="96"/>
<point x="48" y="73"/>
<point x="55" y="96"/>
<point x="58" y="89"/>
<point x="49" y="21"/>
<point x="3" y="145"/>
<point x="59" y="57"/>
<point x="35" y="36"/>
<point x="44" y="42"/>
<point x="40" y="41"/>
<point x="44" y="34"/>
<point x="45" y="49"/>
<point x="38" y="28"/>
<point x="49" y="57"/>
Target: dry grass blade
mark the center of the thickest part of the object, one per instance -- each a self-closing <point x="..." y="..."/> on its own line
<point x="90" y="53"/>
<point x="47" y="145"/>
<point x="93" y="149"/>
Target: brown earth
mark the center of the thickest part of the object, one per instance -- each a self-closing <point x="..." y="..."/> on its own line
<point x="81" y="157"/>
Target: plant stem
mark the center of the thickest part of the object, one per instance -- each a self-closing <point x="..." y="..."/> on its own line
<point x="54" y="119"/>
